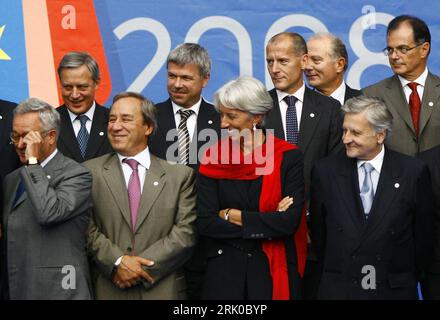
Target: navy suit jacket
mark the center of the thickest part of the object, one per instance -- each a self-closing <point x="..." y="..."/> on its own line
<point x="98" y="143"/>
<point x="397" y="239"/>
<point x="208" y="118"/>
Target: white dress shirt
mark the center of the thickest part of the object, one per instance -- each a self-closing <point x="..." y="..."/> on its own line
<point x="376" y="162"/>
<point x="421" y="80"/>
<point x="143" y="158"/>
<point x="191" y="122"/>
<point x="339" y="93"/>
<point x="76" y="124"/>
<point x="299" y="94"/>
<point x="46" y="161"/>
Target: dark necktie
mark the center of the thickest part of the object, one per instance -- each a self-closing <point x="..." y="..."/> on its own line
<point x="20" y="190"/>
<point x="414" y="106"/>
<point x="367" y="191"/>
<point x="134" y="191"/>
<point x="83" y="134"/>
<point x="291" y="120"/>
<point x="183" y="136"/>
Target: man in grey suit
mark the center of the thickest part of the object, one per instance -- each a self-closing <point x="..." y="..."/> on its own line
<point x="46" y="212"/>
<point x="142" y="228"/>
<point x="413" y="94"/>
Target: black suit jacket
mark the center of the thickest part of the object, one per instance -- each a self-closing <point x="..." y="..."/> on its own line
<point x="432" y="283"/>
<point x="237" y="268"/>
<point x="208" y="118"/>
<point x="320" y="131"/>
<point x="98" y="143"/>
<point x="396" y="239"/>
<point x="8" y="158"/>
<point x="351" y="93"/>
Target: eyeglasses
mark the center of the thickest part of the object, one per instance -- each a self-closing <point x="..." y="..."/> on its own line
<point x="388" y="51"/>
<point x="15" y="138"/>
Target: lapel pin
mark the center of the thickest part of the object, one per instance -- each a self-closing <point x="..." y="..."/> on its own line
<point x="155" y="183"/>
<point x="396" y="185"/>
<point x="210" y="121"/>
<point x="430" y="103"/>
<point x="1" y="117"/>
<point x="48" y="177"/>
<point x="312" y="115"/>
<point x="101" y="133"/>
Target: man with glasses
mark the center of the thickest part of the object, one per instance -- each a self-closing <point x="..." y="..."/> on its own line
<point x="412" y="94"/>
<point x="47" y="205"/>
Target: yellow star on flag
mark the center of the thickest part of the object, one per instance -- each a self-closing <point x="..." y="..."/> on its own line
<point x="3" y="55"/>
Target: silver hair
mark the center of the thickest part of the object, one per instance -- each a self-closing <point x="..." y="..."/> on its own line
<point x="191" y="53"/>
<point x="245" y="94"/>
<point x="375" y="110"/>
<point x="49" y="117"/>
<point x="147" y="108"/>
<point x="337" y="46"/>
<point x="76" y="59"/>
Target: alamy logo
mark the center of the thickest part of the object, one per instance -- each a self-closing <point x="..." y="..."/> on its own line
<point x="69" y="280"/>
<point x="369" y="280"/>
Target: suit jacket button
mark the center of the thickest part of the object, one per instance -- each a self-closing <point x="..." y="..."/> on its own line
<point x="249" y="255"/>
<point x="379" y="258"/>
<point x="129" y="249"/>
<point x="353" y="257"/>
<point x="354" y="281"/>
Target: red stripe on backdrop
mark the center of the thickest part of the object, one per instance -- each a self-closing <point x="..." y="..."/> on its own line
<point x="74" y="27"/>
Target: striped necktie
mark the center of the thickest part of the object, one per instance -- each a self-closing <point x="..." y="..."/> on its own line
<point x="183" y="136"/>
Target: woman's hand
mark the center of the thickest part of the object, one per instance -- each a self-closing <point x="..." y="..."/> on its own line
<point x="232" y="215"/>
<point x="285" y="203"/>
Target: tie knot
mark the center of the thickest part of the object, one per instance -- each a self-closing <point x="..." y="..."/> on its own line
<point x="132" y="163"/>
<point x="413" y="86"/>
<point x="368" y="167"/>
<point x="185" y="114"/>
<point x="290" y="100"/>
<point x="82" y="119"/>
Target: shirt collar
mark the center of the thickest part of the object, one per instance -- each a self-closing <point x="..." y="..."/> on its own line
<point x="143" y="158"/>
<point x="376" y="162"/>
<point x="195" y="107"/>
<point x="46" y="161"/>
<point x="339" y="93"/>
<point x="89" y="113"/>
<point x="299" y="94"/>
<point x="420" y="80"/>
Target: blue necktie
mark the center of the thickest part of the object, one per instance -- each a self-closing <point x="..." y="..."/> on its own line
<point x="20" y="190"/>
<point x="367" y="191"/>
<point x="291" y="120"/>
<point x="83" y="134"/>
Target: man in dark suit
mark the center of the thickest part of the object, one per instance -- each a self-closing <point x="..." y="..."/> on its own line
<point x="8" y="159"/>
<point x="413" y="93"/>
<point x="83" y="121"/>
<point x="46" y="212"/>
<point x="431" y="290"/>
<point x="326" y="65"/>
<point x="189" y="68"/>
<point x="372" y="212"/>
<point x="301" y="116"/>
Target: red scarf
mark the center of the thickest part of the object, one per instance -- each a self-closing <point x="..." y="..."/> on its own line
<point x="269" y="199"/>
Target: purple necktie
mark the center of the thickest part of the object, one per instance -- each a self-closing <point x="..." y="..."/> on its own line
<point x="134" y="190"/>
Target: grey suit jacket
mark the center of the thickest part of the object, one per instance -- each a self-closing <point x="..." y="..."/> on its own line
<point x="403" y="138"/>
<point x="45" y="230"/>
<point x="164" y="230"/>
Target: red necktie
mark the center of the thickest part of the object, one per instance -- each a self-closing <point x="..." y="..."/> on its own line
<point x="414" y="106"/>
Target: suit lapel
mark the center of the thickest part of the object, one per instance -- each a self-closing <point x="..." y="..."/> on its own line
<point x="67" y="135"/>
<point x="430" y="100"/>
<point x="387" y="188"/>
<point x="398" y="101"/>
<point x="115" y="180"/>
<point x="167" y="121"/>
<point x="309" y="120"/>
<point x="97" y="132"/>
<point x="153" y="185"/>
<point x="348" y="183"/>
